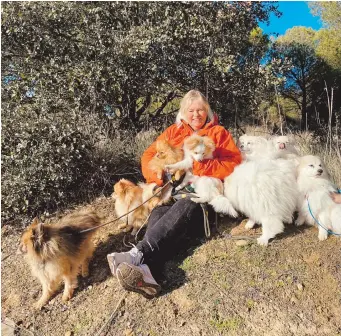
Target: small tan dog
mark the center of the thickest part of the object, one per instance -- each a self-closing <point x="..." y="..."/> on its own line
<point x="166" y="154"/>
<point x="59" y="252"/>
<point x="129" y="196"/>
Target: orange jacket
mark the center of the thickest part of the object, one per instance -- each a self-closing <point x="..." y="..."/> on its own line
<point x="226" y="154"/>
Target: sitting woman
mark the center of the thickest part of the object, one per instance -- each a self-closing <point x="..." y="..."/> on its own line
<point x="170" y="226"/>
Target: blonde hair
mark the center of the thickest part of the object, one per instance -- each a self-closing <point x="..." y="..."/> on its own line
<point x="187" y="100"/>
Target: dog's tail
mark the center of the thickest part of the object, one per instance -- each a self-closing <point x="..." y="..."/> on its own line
<point x="66" y="237"/>
<point x="221" y="204"/>
<point x="335" y="217"/>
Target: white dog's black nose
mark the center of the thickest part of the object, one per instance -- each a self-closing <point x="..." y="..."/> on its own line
<point x="320" y="171"/>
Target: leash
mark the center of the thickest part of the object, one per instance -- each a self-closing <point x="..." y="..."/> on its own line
<point x="116" y="219"/>
<point x="206" y="221"/>
<point x="145" y="222"/>
<point x="318" y="223"/>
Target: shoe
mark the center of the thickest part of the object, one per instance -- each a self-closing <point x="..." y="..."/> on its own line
<point x="138" y="279"/>
<point x="133" y="257"/>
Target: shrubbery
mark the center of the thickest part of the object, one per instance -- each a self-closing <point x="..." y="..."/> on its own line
<point x="50" y="160"/>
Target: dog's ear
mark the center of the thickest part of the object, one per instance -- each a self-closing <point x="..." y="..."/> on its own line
<point x="22" y="249"/>
<point x="38" y="235"/>
<point x="35" y="221"/>
<point x="209" y="143"/>
<point x="191" y="142"/>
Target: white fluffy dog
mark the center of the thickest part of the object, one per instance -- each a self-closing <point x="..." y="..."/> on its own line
<point x="265" y="190"/>
<point x="284" y="147"/>
<point x="208" y="189"/>
<point x="253" y="147"/>
<point x="315" y="187"/>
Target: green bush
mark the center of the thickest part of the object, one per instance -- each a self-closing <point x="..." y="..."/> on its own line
<point x="50" y="160"/>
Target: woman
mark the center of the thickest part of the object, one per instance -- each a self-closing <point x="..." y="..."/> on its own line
<point x="170" y="226"/>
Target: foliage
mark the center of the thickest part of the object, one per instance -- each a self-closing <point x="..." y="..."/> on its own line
<point x="117" y="57"/>
<point x="50" y="160"/>
<point x="299" y="59"/>
<point x="330" y="13"/>
<point x="81" y="79"/>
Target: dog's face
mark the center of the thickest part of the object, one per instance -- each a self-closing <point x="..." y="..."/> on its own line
<point x="163" y="149"/>
<point x="200" y="147"/>
<point x="313" y="167"/>
<point x="31" y="238"/>
<point x="122" y="187"/>
<point x="248" y="143"/>
<point x="283" y="143"/>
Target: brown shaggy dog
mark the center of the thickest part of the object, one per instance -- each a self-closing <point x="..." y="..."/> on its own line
<point x="129" y="196"/>
<point x="166" y="154"/>
<point x="59" y="252"/>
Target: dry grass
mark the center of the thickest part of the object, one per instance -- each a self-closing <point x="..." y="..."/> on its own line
<point x="309" y="144"/>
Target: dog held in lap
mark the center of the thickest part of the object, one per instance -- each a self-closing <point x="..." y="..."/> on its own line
<point x="315" y="187"/>
<point x="59" y="252"/>
<point x="208" y="189"/>
<point x="166" y="154"/>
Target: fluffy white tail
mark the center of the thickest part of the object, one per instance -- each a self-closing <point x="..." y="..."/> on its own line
<point x="222" y="205"/>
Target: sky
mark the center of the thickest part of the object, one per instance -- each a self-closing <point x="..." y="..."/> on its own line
<point x="295" y="13"/>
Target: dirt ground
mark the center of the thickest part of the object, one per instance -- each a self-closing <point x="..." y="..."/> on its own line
<point x="220" y="287"/>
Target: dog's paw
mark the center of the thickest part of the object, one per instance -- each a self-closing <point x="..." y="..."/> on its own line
<point x="233" y="213"/>
<point x="133" y="232"/>
<point x="66" y="297"/>
<point x="262" y="241"/>
<point x="299" y="222"/>
<point x="323" y="235"/>
<point x="250" y="224"/>
<point x="39" y="304"/>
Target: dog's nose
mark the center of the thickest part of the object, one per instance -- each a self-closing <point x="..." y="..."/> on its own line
<point x="282" y="145"/>
<point x="320" y="171"/>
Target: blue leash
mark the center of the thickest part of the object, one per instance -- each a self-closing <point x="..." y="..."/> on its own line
<point x="311" y="213"/>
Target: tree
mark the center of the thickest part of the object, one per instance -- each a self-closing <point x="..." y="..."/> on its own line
<point x="330" y="13"/>
<point x="122" y="57"/>
<point x="294" y="57"/>
<point x="70" y="67"/>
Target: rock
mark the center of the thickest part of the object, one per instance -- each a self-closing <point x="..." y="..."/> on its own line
<point x="242" y="242"/>
<point x="7" y="327"/>
<point x="294" y="300"/>
<point x="299" y="286"/>
<point x="129" y="332"/>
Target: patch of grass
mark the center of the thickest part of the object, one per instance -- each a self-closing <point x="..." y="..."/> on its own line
<point x="280" y="283"/>
<point x="250" y="303"/>
<point x="187" y="264"/>
<point x="228" y="324"/>
<point x="220" y="279"/>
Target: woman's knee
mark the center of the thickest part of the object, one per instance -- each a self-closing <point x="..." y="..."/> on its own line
<point x="186" y="206"/>
<point x="186" y="202"/>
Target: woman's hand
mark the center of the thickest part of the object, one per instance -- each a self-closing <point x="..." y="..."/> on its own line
<point x="336" y="197"/>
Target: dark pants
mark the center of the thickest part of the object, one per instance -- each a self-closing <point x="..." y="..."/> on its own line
<point x="171" y="228"/>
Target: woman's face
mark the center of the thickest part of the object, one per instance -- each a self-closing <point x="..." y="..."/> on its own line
<point x="196" y="114"/>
